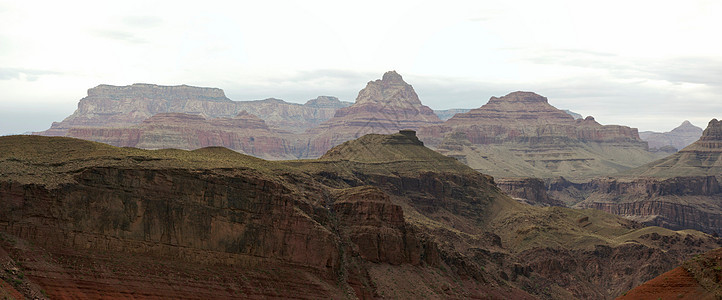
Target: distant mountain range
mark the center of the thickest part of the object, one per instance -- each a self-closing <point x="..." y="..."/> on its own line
<point x="526" y="135"/>
<point x="389" y="200"/>
<point x="672" y="141"/>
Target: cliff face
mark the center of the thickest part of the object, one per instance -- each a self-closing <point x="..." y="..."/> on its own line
<point x="378" y="216"/>
<point x="244" y="133"/>
<point x="677" y="138"/>
<point x="680" y="191"/>
<point x="698" y="278"/>
<point x="384" y="106"/>
<point x="292" y="117"/>
<point x="121" y="106"/>
<point x="531" y="191"/>
<point x="521" y="134"/>
<point x="109" y="106"/>
<point x="675" y="203"/>
<point x="701" y="158"/>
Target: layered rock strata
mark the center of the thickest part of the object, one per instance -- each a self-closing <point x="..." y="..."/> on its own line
<point x="108" y="106"/>
<point x="384" y="106"/>
<point x="532" y="191"/>
<point x="380" y="216"/>
<point x="244" y="133"/>
<point x="674" y="140"/>
<point x="698" y="278"/>
<point x="521" y="135"/>
<point x="681" y="191"/>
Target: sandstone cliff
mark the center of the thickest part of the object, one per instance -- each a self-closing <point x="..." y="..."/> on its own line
<point x="681" y="191"/>
<point x="293" y="117"/>
<point x="380" y="216"/>
<point x="697" y="278"/>
<point x="244" y="133"/>
<point x="109" y="106"/>
<point x="521" y="135"/>
<point x="531" y="191"/>
<point x="703" y="157"/>
<point x="678" y="138"/>
<point x="383" y="106"/>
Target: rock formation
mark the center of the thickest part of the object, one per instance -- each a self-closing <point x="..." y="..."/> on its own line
<point x="681" y="191"/>
<point x="697" y="278"/>
<point x="384" y="106"/>
<point x="678" y="138"/>
<point x="379" y="216"/>
<point x="244" y="133"/>
<point x="701" y="158"/>
<point x="576" y="116"/>
<point x="532" y="191"/>
<point x="522" y="135"/>
<point x="293" y="117"/>
<point x="446" y="114"/>
<point x="109" y="106"/>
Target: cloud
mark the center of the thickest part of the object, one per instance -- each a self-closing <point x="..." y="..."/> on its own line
<point x="118" y="35"/>
<point x="26" y="74"/>
<point x="142" y="21"/>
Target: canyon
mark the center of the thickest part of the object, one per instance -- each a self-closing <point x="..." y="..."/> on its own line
<point x="378" y="216"/>
<point x="518" y="135"/>
<point x="456" y="203"/>
<point x="108" y="106"/>
<point x="679" y="191"/>
<point x="522" y="135"/>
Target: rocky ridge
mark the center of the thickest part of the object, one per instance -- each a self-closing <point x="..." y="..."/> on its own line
<point x="674" y="140"/>
<point x="109" y="106"/>
<point x="380" y="216"/>
<point x="244" y="133"/>
<point x="384" y="106"/>
<point x="697" y="278"/>
<point x="681" y="191"/>
<point x="522" y="135"/>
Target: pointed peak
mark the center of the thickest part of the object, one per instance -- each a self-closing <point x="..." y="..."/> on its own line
<point x="392" y="77"/>
<point x="713" y="132"/>
<point x="686" y="123"/>
<point x="390" y="90"/>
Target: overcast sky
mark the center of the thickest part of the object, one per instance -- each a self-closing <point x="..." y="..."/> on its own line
<point x="645" y="64"/>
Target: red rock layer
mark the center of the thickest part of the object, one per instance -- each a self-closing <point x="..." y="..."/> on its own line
<point x="698" y="278"/>
<point x="244" y="133"/>
<point x="532" y="191"/>
<point x="526" y="118"/>
<point x="384" y="106"/>
<point x="517" y="108"/>
<point x="109" y="106"/>
<point x="378" y="229"/>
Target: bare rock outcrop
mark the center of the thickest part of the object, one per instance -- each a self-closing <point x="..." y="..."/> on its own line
<point x="244" y="133"/>
<point x="531" y="191"/>
<point x="121" y="106"/>
<point x="384" y="106"/>
<point x="681" y="191"/>
<point x="701" y="158"/>
<point x="108" y="106"/>
<point x="521" y="135"/>
<point x="381" y="215"/>
<point x="678" y="138"/>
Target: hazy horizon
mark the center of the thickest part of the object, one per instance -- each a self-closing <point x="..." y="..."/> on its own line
<point x="647" y="64"/>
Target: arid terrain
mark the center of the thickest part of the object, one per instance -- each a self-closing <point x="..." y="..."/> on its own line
<point x="380" y="216"/>
<point x="168" y="193"/>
